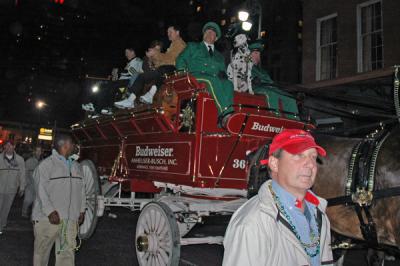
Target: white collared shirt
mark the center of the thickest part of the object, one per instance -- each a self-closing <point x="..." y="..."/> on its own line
<point x="208" y="45"/>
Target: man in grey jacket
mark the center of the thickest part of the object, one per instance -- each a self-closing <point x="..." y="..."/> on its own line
<point x="285" y="224"/>
<point x="59" y="206"/>
<point x="12" y="179"/>
<point x="30" y="166"/>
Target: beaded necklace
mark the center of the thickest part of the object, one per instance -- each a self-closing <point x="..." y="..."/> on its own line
<point x="315" y="237"/>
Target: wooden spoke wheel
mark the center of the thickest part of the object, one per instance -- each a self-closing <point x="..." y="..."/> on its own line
<point x="157" y="236"/>
<point x="92" y="191"/>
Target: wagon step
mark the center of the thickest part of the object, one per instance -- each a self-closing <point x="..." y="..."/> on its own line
<point x="202" y="240"/>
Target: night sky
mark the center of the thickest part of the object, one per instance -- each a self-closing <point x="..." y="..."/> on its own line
<point x="48" y="48"/>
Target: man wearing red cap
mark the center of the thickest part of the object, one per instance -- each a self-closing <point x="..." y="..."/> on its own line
<point x="12" y="179"/>
<point x="285" y="224"/>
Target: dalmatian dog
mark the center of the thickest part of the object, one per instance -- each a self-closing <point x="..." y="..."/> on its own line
<point x="239" y="70"/>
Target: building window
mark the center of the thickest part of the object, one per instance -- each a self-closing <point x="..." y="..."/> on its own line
<point x="326" y="47"/>
<point x="369" y="36"/>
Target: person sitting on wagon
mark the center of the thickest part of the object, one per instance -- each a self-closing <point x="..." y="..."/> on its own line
<point x="132" y="69"/>
<point x="263" y="84"/>
<point x="204" y="62"/>
<point x="164" y="63"/>
<point x="120" y="80"/>
<point x="148" y="64"/>
<point x="286" y="223"/>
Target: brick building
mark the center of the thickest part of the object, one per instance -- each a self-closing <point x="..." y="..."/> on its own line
<point x="347" y="38"/>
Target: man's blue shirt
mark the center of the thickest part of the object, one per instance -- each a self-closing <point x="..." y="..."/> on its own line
<point x="304" y="222"/>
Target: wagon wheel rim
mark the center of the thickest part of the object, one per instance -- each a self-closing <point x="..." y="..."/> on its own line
<point x="91" y="192"/>
<point x="155" y="237"/>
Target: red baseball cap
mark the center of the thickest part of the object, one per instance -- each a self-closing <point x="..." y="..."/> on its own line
<point x="293" y="141"/>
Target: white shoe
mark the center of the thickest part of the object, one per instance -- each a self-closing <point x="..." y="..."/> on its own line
<point x="148" y="97"/>
<point x="88" y="107"/>
<point x="127" y="103"/>
<point x="106" y="112"/>
<point x="94" y="116"/>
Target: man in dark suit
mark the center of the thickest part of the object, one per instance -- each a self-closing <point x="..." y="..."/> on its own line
<point x="204" y="62"/>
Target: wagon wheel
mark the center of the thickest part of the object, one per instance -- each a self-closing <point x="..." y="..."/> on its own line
<point x="92" y="191"/>
<point x="157" y="236"/>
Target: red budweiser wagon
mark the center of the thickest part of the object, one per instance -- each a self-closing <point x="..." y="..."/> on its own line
<point x="175" y="152"/>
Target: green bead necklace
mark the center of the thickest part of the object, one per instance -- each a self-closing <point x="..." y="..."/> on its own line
<point x="315" y="238"/>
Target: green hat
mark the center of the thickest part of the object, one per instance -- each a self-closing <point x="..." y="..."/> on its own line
<point x="213" y="26"/>
<point x="256" y="46"/>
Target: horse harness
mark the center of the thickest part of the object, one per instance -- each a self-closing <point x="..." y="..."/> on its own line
<point x="360" y="183"/>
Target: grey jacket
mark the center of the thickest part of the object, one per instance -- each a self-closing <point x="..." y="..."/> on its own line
<point x="12" y="174"/>
<point x="30" y="166"/>
<point x="257" y="236"/>
<point x="58" y="188"/>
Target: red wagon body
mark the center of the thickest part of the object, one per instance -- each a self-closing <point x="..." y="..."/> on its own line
<point x="156" y="147"/>
<point x="174" y="150"/>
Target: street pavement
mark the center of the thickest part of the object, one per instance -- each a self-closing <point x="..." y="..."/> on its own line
<point x="113" y="243"/>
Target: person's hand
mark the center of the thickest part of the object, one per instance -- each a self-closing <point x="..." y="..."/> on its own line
<point x="54" y="218"/>
<point x="21" y="193"/>
<point x="81" y="218"/>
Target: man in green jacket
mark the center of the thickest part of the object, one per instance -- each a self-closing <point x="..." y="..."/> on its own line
<point x="263" y="84"/>
<point x="204" y="62"/>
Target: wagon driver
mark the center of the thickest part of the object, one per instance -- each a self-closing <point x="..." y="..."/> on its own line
<point x="285" y="224"/>
<point x="208" y="66"/>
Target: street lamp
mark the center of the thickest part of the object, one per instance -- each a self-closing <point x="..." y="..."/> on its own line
<point x="246" y="25"/>
<point x="243" y="15"/>
<point x="253" y="7"/>
<point x="40" y="104"/>
<point x="95" y="89"/>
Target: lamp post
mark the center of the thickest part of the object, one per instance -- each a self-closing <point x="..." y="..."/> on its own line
<point x="259" y="9"/>
<point x="243" y="16"/>
<point x="254" y="8"/>
<point x="40" y="105"/>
